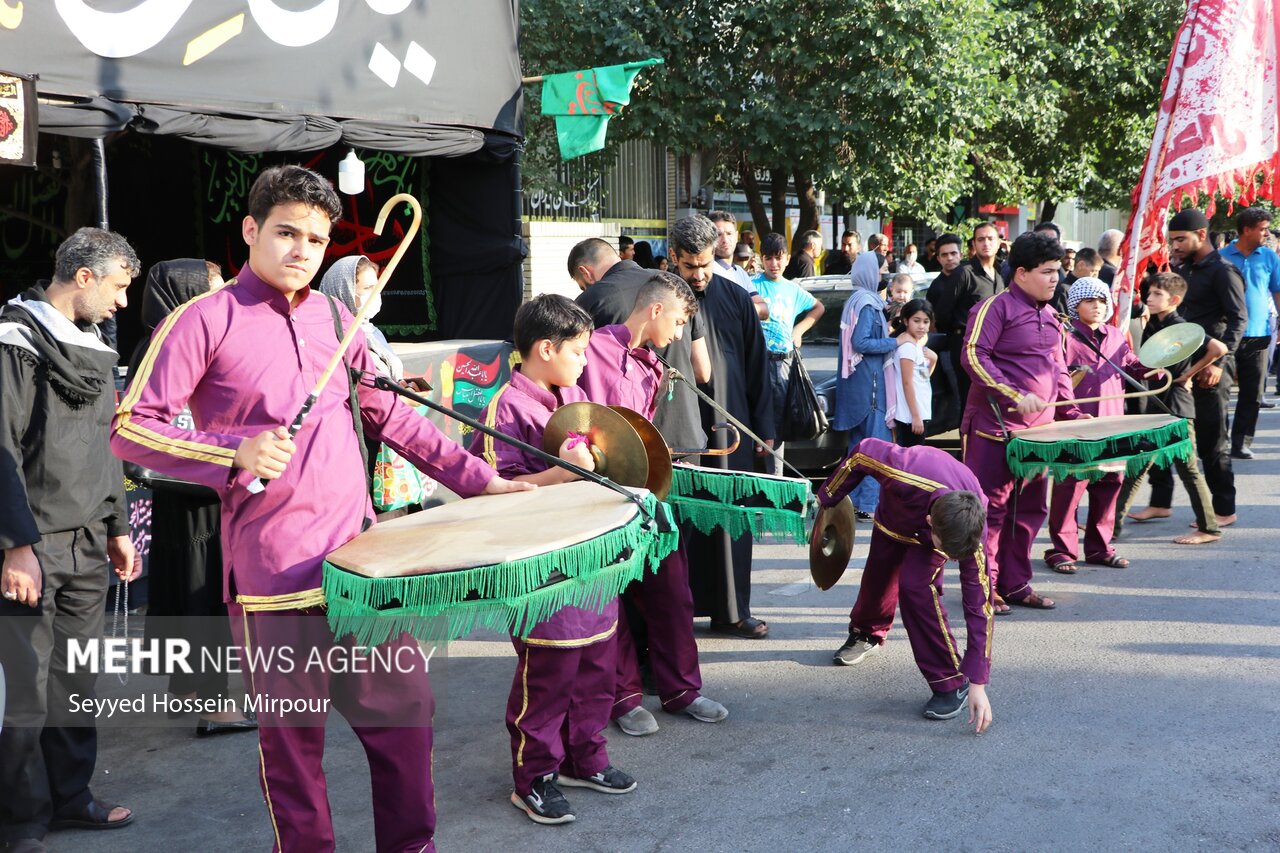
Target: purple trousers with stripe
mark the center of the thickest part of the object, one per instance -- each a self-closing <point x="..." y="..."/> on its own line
<point x="1064" y="529"/>
<point x="558" y="709"/>
<point x="666" y="602"/>
<point x="910" y="576"/>
<point x="1015" y="513"/>
<point x="389" y="710"/>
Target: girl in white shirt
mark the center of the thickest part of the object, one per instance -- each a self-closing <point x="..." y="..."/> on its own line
<point x="915" y="365"/>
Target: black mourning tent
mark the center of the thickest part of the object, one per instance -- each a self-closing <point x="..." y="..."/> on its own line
<point x="427" y="92"/>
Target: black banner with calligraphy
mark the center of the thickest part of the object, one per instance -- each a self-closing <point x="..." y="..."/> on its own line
<point x="410" y="76"/>
<point x="19" y="124"/>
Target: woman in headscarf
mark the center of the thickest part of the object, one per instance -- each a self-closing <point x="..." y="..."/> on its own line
<point x="351" y="280"/>
<point x="184" y="584"/>
<point x="397" y="485"/>
<point x="860" y="390"/>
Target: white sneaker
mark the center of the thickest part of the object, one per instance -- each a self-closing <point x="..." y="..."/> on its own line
<point x="706" y="710"/>
<point x="637" y="722"/>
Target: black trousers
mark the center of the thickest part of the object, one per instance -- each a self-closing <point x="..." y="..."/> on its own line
<point x="1251" y="379"/>
<point x="1212" y="441"/>
<point x="47" y="752"/>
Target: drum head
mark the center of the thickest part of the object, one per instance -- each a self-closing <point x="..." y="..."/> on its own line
<point x="659" y="482"/>
<point x="831" y="544"/>
<point x="620" y="453"/>
<point x="1169" y="346"/>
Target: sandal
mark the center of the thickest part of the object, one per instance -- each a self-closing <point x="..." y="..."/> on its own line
<point x="999" y="608"/>
<point x="95" y="814"/>
<point x="750" y="628"/>
<point x="1114" y="561"/>
<point x="1035" y="601"/>
<point x="1066" y="567"/>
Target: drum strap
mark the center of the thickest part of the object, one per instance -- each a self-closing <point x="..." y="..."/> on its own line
<point x="353" y="380"/>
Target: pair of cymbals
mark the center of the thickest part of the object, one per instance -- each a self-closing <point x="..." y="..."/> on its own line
<point x="1169" y="346"/>
<point x="625" y="447"/>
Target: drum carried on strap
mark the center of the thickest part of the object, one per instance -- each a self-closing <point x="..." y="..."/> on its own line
<point x="1090" y="448"/>
<point x="504" y="562"/>
<point x="738" y="502"/>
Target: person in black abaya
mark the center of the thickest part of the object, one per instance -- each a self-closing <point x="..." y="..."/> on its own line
<point x="185" y="577"/>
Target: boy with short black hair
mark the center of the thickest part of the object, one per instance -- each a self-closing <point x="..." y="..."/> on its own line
<point x="931" y="510"/>
<point x="563" y="685"/>
<point x="1164" y="295"/>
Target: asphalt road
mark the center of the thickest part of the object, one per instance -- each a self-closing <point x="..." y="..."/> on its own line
<point x="1139" y="715"/>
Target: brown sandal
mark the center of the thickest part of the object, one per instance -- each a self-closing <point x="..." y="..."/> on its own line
<point x="1035" y="601"/>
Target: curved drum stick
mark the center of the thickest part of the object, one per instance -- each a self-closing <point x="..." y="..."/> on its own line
<point x="258" y="484"/>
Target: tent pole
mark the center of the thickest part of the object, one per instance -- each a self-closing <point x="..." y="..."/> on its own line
<point x="100" y="181"/>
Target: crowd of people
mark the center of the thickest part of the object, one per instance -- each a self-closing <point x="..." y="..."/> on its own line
<point x="211" y="395"/>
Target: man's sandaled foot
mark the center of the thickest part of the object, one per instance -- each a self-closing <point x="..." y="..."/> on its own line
<point x="750" y="628"/>
<point x="1114" y="561"/>
<point x="94" y="815"/>
<point x="1035" y="601"/>
<point x="1151" y="513"/>
<point x="999" y="607"/>
<point x="1066" y="567"/>
<point x="1200" y="537"/>
<point x="1223" y="520"/>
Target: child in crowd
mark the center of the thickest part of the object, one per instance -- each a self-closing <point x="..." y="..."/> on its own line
<point x="915" y="362"/>
<point x="562" y="691"/>
<point x="1089" y="306"/>
<point x="1164" y="294"/>
<point x="901" y="288"/>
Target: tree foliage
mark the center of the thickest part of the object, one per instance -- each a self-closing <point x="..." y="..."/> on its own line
<point x="902" y="106"/>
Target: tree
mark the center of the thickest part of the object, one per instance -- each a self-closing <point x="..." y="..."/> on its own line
<point x="1086" y="83"/>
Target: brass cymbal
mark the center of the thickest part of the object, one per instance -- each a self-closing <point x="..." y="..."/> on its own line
<point x="1171" y="345"/>
<point x="831" y="543"/>
<point x="659" y="481"/>
<point x="617" y="448"/>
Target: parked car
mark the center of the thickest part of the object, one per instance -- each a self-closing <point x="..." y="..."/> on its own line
<point x="817" y="457"/>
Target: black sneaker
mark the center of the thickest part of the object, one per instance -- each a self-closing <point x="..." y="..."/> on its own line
<point x="856" y="649"/>
<point x="1241" y="453"/>
<point x="610" y="780"/>
<point x="545" y="803"/>
<point x="946" y="704"/>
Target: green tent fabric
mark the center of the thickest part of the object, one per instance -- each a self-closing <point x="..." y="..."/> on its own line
<point x="584" y="101"/>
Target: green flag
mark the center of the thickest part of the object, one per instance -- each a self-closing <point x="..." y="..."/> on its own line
<point x="583" y="102"/>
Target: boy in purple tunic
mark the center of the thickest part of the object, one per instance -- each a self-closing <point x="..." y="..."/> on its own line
<point x="243" y="359"/>
<point x="622" y="371"/>
<point x="1089" y="304"/>
<point x="563" y="686"/>
<point x="1013" y="352"/>
<point x="930" y="511"/>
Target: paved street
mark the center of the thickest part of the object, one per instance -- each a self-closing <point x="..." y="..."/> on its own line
<point x="1139" y="715"/>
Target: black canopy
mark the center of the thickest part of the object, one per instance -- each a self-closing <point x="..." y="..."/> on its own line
<point x="419" y="77"/>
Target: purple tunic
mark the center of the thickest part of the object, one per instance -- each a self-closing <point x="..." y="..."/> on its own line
<point x="618" y="375"/>
<point x="1013" y="348"/>
<point x="521" y="409"/>
<point x="244" y="360"/>
<point x="1102" y="380"/>
<point x="911" y="479"/>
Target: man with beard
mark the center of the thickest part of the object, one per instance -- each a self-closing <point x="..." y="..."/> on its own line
<point x="943" y="291"/>
<point x="1215" y="302"/>
<point x="64" y="523"/>
<point x="726" y="242"/>
<point x="720" y="567"/>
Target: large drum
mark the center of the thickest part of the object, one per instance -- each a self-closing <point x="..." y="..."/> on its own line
<point x="1090" y="448"/>
<point x="504" y="562"/>
<point x="738" y="502"/>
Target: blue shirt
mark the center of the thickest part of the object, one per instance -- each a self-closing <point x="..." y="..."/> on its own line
<point x="1261" y="271"/>
<point x="787" y="301"/>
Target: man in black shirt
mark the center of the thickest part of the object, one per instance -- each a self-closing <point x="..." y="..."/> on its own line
<point x="807" y="247"/>
<point x="1215" y="302"/>
<point x="64" y="523"/>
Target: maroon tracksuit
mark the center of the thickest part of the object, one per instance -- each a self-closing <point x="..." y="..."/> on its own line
<point x="1100" y="380"/>
<point x="1013" y="347"/>
<point x="903" y="566"/>
<point x="618" y="375"/>
<point x="563" y="686"/>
